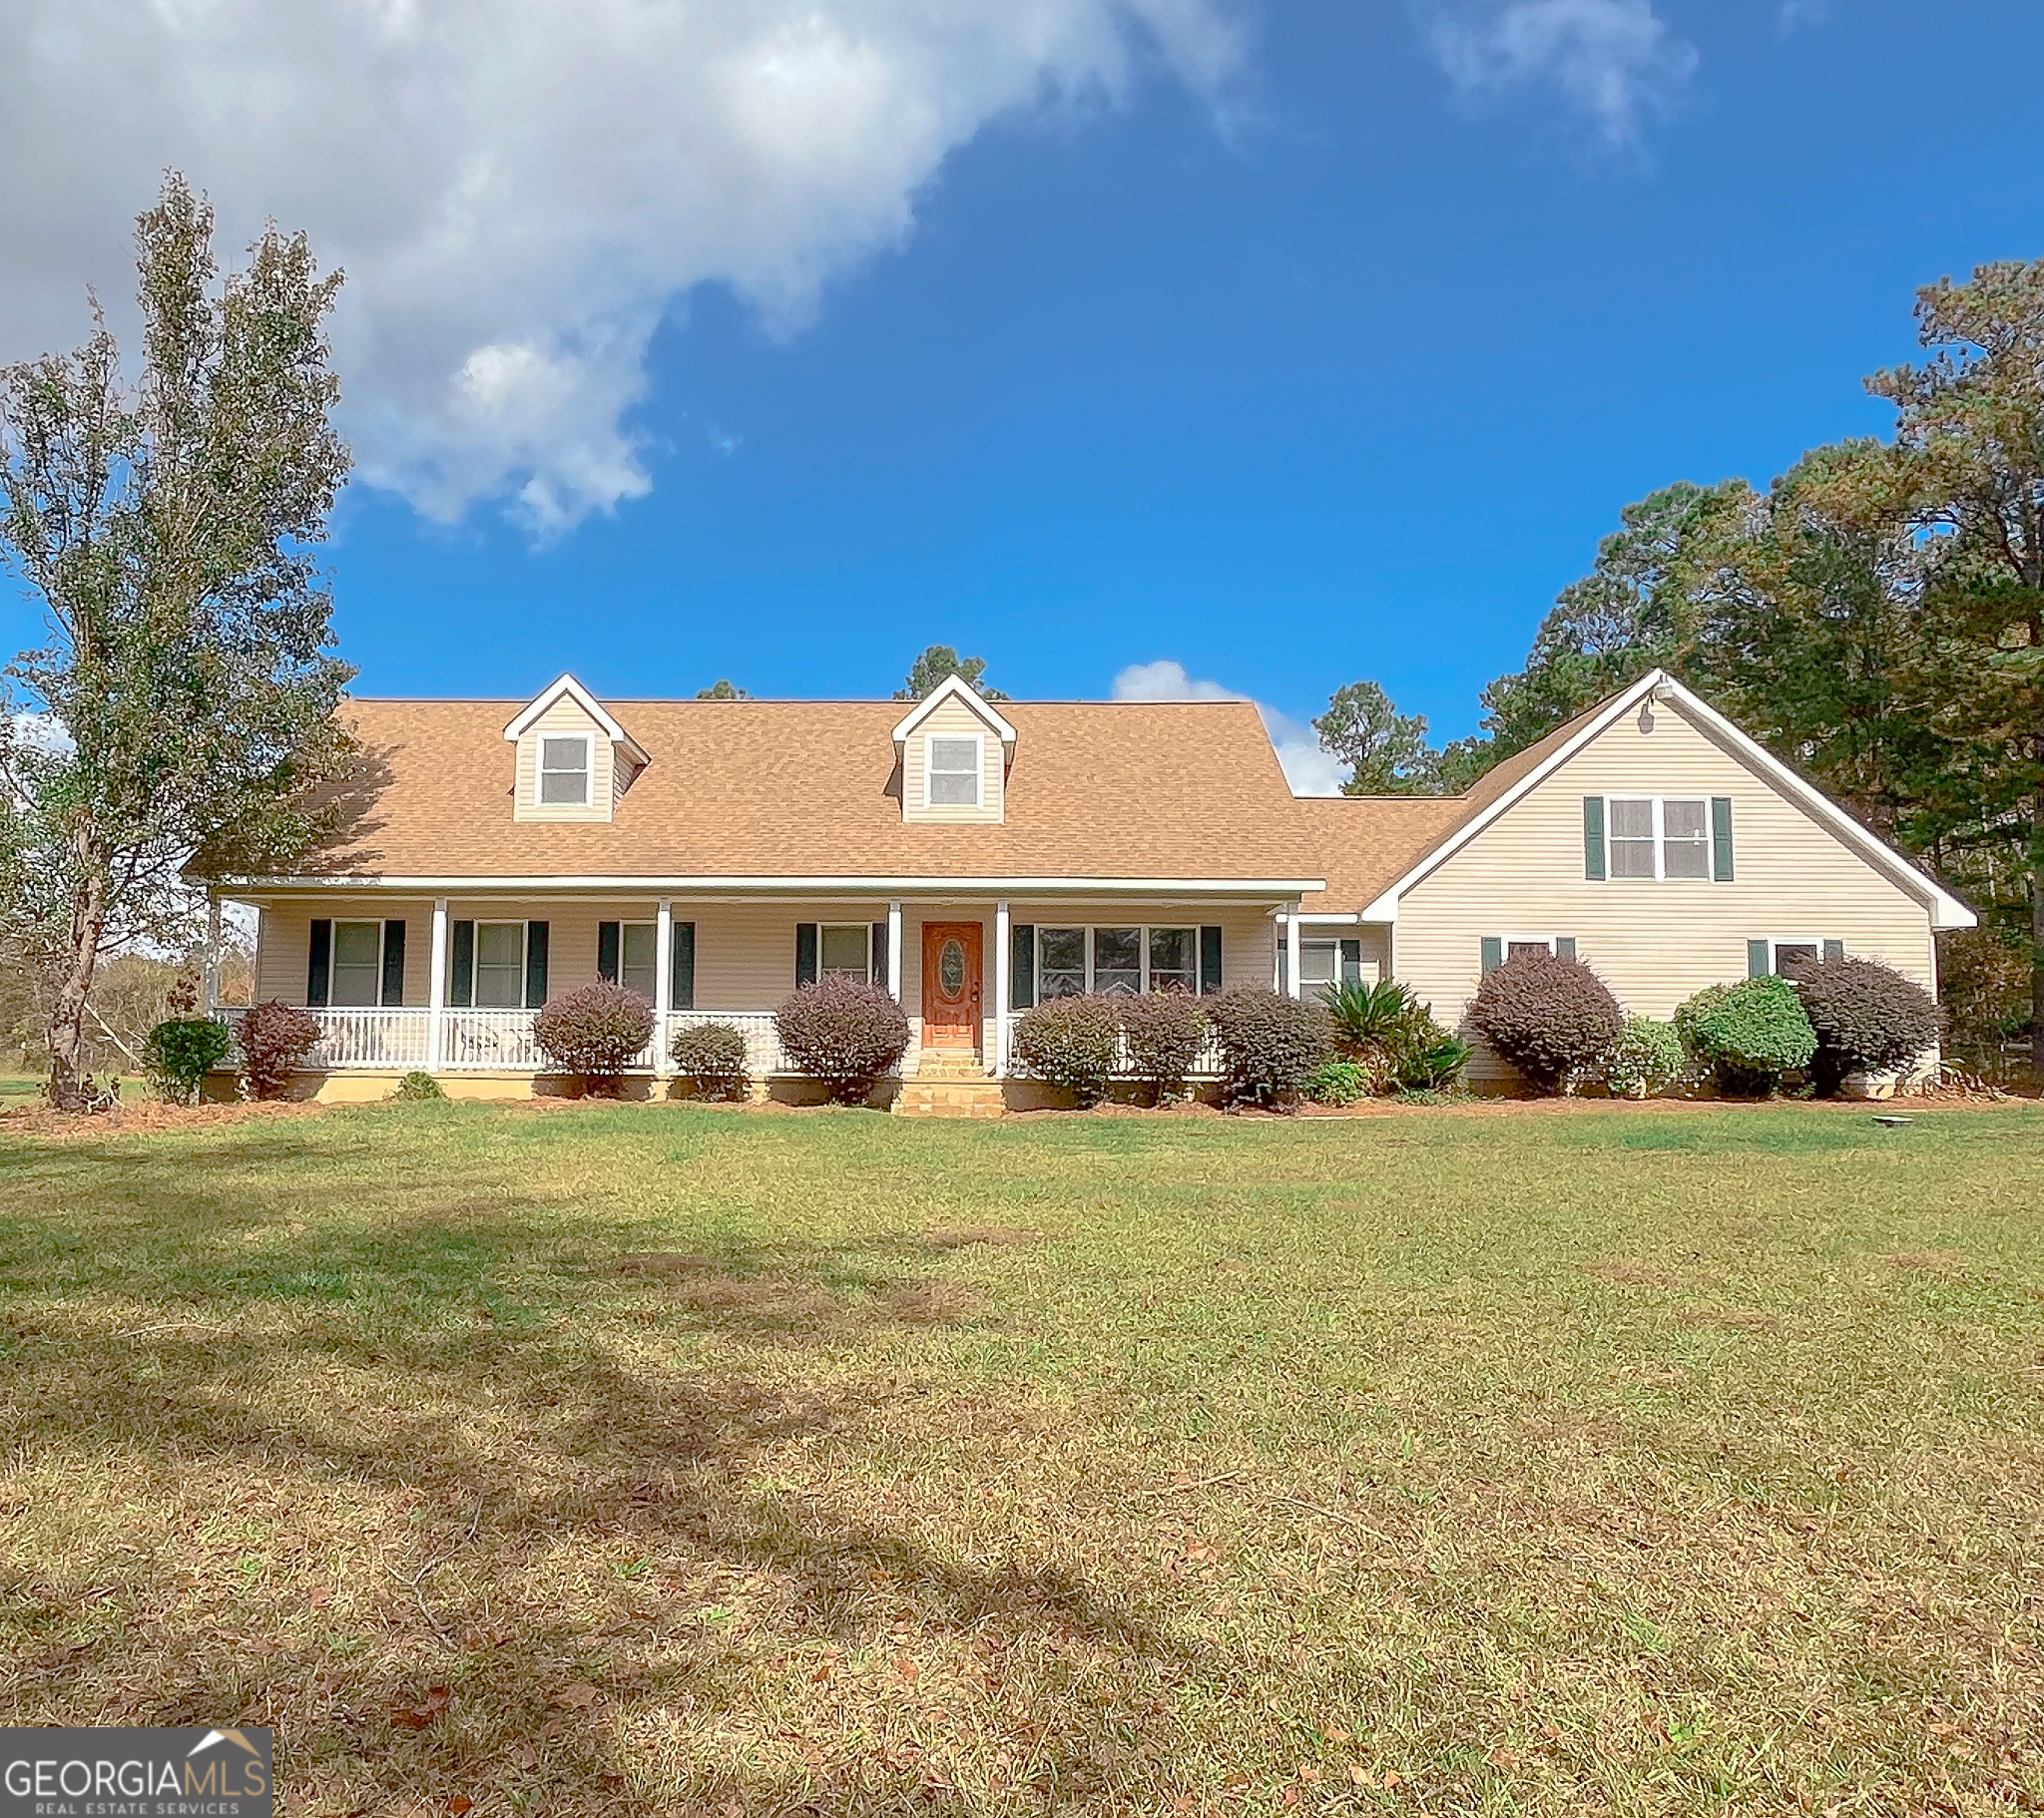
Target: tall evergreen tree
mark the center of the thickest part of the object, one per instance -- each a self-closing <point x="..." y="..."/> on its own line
<point x="937" y="665"/>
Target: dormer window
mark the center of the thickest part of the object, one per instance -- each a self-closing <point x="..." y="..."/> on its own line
<point x="955" y="772"/>
<point x="564" y="770"/>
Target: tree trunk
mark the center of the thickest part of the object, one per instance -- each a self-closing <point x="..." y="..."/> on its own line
<point x="2037" y="936"/>
<point x="67" y="1013"/>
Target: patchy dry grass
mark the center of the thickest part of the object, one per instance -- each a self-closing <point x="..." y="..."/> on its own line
<point x="685" y="1460"/>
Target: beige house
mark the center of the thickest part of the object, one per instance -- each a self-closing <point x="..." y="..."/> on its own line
<point x="976" y="857"/>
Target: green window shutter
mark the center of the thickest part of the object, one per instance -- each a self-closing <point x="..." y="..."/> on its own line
<point x="320" y="963"/>
<point x="804" y="954"/>
<point x="1834" y="950"/>
<point x="1564" y="946"/>
<point x="1022" y="966"/>
<point x="876" y="971"/>
<point x="1351" y="962"/>
<point x="1758" y="961"/>
<point x="1493" y="952"/>
<point x="535" y="965"/>
<point x="680" y="985"/>
<point x="461" y="966"/>
<point x="1593" y="838"/>
<point x="609" y="942"/>
<point x="394" y="963"/>
<point x="1721" y="839"/>
<point x="1210" y="961"/>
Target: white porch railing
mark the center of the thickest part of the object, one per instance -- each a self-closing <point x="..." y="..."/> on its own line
<point x="1208" y="1066"/>
<point x="762" y="1045"/>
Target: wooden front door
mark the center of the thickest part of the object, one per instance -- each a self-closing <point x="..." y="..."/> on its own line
<point x="950" y="984"/>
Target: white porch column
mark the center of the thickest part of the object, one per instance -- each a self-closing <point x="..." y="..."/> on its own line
<point x="212" y="951"/>
<point x="436" y="991"/>
<point x="894" y="951"/>
<point x="1291" y="979"/>
<point x="663" y="982"/>
<point x="1003" y="954"/>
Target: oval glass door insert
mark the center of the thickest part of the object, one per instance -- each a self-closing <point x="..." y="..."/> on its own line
<point x="951" y="969"/>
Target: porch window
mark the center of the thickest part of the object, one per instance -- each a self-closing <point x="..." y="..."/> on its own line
<point x="357" y="975"/>
<point x="1175" y="960"/>
<point x="500" y="965"/>
<point x="1118" y="961"/>
<point x="1060" y="963"/>
<point x="846" y="950"/>
<point x="953" y="781"/>
<point x="636" y="947"/>
<point x="1319" y="964"/>
<point x="564" y="770"/>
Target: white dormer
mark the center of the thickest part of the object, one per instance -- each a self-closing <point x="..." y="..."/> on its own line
<point x="956" y="751"/>
<point x="574" y="760"/>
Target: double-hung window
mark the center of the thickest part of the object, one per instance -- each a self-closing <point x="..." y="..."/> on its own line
<point x="1060" y="963"/>
<point x="1319" y="965"/>
<point x="356" y="975"/>
<point x="845" y="950"/>
<point x="636" y="949"/>
<point x="1175" y="960"/>
<point x="953" y="776"/>
<point x="1118" y="961"/>
<point x="1660" y="836"/>
<point x="500" y="965"/>
<point x="564" y="766"/>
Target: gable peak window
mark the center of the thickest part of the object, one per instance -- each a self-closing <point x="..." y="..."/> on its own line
<point x="564" y="766"/>
<point x="1659" y="836"/>
<point x="953" y="771"/>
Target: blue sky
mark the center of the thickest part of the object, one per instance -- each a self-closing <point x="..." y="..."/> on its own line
<point x="1333" y="364"/>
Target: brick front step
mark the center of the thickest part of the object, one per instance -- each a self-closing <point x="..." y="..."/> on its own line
<point x="920" y="1097"/>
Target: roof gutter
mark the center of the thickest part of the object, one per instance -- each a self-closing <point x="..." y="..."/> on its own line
<point x="841" y="886"/>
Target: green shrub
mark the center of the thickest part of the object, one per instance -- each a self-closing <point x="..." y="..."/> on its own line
<point x="1369" y="1024"/>
<point x="1550" y="1016"/>
<point x="1753" y="1033"/>
<point x="1338" y="1083"/>
<point x="1649" y="1059"/>
<point x="594" y="1034"/>
<point x="712" y="1055"/>
<point x="1073" y="1043"/>
<point x="1686" y="1016"/>
<point x="180" y="1053"/>
<point x="417" y="1087"/>
<point x="1867" y="1018"/>
<point x="1162" y="1035"/>
<point x="1270" y="1045"/>
<point x="1430" y="1059"/>
<point x="844" y="1032"/>
<point x="274" y="1038"/>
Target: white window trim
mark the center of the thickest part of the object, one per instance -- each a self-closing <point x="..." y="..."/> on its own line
<point x="334" y="960"/>
<point x="475" y="964"/>
<point x="1143" y="929"/>
<point x="540" y="772"/>
<point x="1776" y="942"/>
<point x="1506" y="942"/>
<point x="653" y="931"/>
<point x="978" y="739"/>
<point x="1659" y="804"/>
<point x="822" y="928"/>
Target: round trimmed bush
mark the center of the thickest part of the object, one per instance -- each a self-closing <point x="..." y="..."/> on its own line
<point x="1550" y="1016"/>
<point x="179" y="1054"/>
<point x="1270" y="1045"/>
<point x="594" y="1034"/>
<point x="844" y="1032"/>
<point x="274" y="1038"/>
<point x="712" y="1055"/>
<point x="1751" y="1033"/>
<point x="1073" y="1043"/>
<point x="417" y="1087"/>
<point x="1867" y="1018"/>
<point x="1162" y="1035"/>
<point x="1647" y="1060"/>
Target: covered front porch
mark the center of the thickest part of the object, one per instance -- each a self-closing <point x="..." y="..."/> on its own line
<point x="450" y="984"/>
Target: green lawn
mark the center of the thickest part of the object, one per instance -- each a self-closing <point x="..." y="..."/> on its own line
<point x="1618" y="1461"/>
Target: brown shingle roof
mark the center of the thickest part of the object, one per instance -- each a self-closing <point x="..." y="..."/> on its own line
<point x="756" y="788"/>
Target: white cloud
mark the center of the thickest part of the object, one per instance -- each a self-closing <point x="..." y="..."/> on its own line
<point x="521" y="189"/>
<point x="1612" y="60"/>
<point x="1310" y="770"/>
<point x="1795" y="14"/>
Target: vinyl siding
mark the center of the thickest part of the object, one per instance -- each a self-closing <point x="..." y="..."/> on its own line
<point x="283" y="942"/>
<point x="954" y="719"/>
<point x="1654" y="942"/>
<point x="604" y="784"/>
